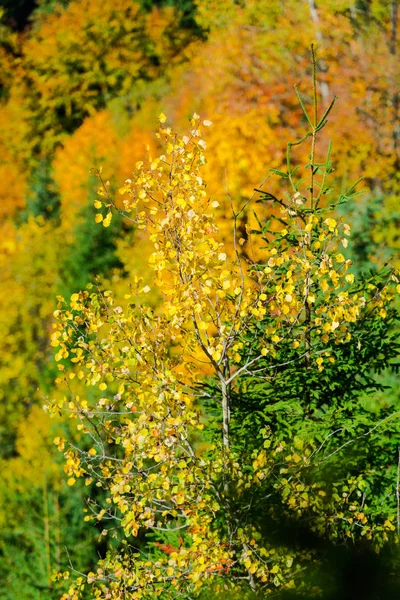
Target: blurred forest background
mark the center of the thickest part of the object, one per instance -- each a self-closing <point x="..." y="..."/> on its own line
<point x="81" y="85"/>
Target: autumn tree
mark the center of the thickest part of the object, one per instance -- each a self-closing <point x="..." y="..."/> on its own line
<point x="170" y="433"/>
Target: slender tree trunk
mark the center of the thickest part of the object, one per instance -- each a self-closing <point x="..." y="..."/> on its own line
<point x="353" y="12"/>
<point x="321" y="64"/>
<point x="226" y="413"/>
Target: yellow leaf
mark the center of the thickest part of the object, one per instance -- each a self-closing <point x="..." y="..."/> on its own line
<point x="331" y="223"/>
<point x="275" y="569"/>
<point x="107" y="220"/>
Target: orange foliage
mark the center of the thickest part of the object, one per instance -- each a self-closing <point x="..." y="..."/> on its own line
<point x="95" y="143"/>
<point x="15" y="153"/>
<point x="12" y="185"/>
<point x="243" y="76"/>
